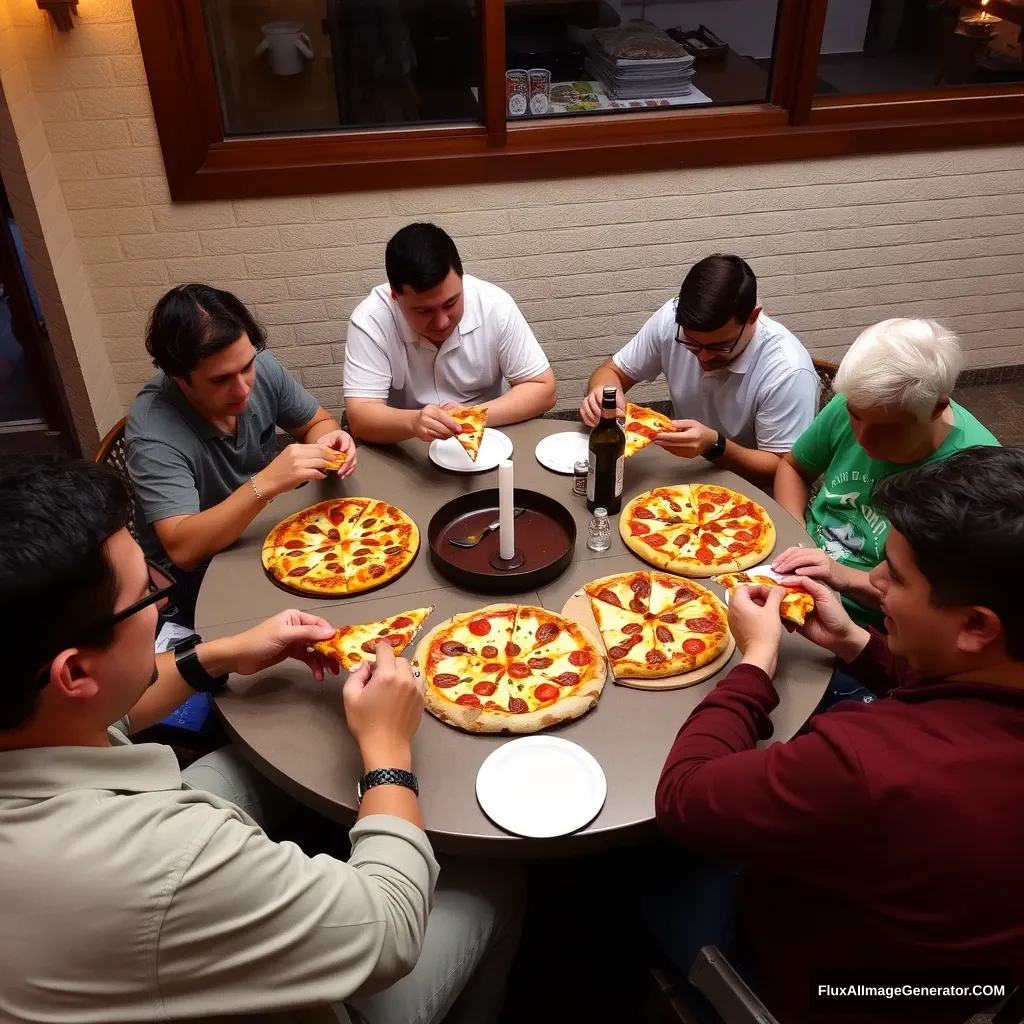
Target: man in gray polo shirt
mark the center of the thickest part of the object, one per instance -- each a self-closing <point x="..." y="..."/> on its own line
<point x="201" y="435"/>
<point x="743" y="387"/>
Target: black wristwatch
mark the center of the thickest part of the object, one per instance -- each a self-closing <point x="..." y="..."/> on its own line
<point x="191" y="669"/>
<point x="386" y="777"/>
<point x="717" y="450"/>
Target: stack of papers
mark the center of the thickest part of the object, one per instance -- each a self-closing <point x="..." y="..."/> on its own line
<point x="638" y="60"/>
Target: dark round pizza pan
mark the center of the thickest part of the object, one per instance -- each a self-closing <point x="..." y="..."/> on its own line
<point x="545" y="536"/>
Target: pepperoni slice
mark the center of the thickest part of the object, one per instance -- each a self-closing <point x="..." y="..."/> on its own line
<point x="674" y="506"/>
<point x="469" y="700"/>
<point x="664" y="634"/>
<point x="359" y="561"/>
<point x="517" y="670"/>
<point x="712" y="542"/>
<point x="450" y="647"/>
<point x="703" y="625"/>
<point x="493" y="666"/>
<point x="636" y="605"/>
<point x="608" y="597"/>
<point x="401" y="622"/>
<point x="714" y="527"/>
<point x="641" y="586"/>
<point x="376" y="571"/>
<point x="367" y="523"/>
<point x="746" y="509"/>
<point x="644" y="513"/>
<point x="518" y="706"/>
<point x="512" y="650"/>
<point x="633" y="628"/>
<point x="394" y="549"/>
<point x="742" y="535"/>
<point x="639" y="529"/>
<point x="539" y="663"/>
<point x="334" y="535"/>
<point x="548" y="632"/>
<point x="705" y="507"/>
<point x="669" y="617"/>
<point x="480" y="627"/>
<point x="313" y="529"/>
<point x="580" y="658"/>
<point x="705" y="555"/>
<point x="656" y="540"/>
<point x="484" y="689"/>
<point x="362" y="551"/>
<point x="493" y="705"/>
<point x="294" y="545"/>
<point x="546" y="692"/>
<point x="568" y="679"/>
<point x="682" y="539"/>
<point x="655" y="658"/>
<point x="336" y="514"/>
<point x="445" y="679"/>
<point x="641" y="429"/>
<point x="719" y="497"/>
<point x="737" y="548"/>
<point x="490" y="651"/>
<point x="299" y="570"/>
<point x="618" y="651"/>
<point x="694" y="646"/>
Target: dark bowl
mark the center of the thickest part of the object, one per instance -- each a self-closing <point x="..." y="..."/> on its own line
<point x="545" y="534"/>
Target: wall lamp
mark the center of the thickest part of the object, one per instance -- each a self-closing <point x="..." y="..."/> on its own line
<point x="60" y="12"/>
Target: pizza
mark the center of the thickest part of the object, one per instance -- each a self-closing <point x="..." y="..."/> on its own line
<point x="643" y="425"/>
<point x="697" y="529"/>
<point x="352" y="645"/>
<point x="796" y="605"/>
<point x="472" y="422"/>
<point x="341" y="546"/>
<point x="339" y="460"/>
<point x="655" y="625"/>
<point x="510" y="668"/>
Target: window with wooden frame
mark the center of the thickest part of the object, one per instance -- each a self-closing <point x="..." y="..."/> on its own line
<point x="284" y="97"/>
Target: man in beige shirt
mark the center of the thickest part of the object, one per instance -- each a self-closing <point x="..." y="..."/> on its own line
<point x="128" y="892"/>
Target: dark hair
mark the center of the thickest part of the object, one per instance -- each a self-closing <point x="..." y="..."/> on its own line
<point x="716" y="290"/>
<point x="195" y="321"/>
<point x="964" y="521"/>
<point x="420" y="256"/>
<point x="56" y="515"/>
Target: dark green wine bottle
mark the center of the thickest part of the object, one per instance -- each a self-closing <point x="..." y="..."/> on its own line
<point x="607" y="454"/>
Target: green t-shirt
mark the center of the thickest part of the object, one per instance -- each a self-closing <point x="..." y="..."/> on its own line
<point x="840" y="517"/>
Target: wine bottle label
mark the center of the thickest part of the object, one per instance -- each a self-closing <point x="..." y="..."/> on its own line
<point x="619" y="464"/>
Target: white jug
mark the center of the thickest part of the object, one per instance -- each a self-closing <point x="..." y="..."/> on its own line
<point x="287" y="44"/>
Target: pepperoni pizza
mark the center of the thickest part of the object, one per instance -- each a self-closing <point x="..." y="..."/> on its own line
<point x="643" y="425"/>
<point x="352" y="645"/>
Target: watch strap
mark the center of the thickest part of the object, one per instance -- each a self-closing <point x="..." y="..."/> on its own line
<point x="387" y="777"/>
<point x="717" y="450"/>
<point x="191" y="668"/>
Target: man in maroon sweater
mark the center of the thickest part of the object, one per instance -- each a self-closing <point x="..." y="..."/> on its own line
<point x="888" y="834"/>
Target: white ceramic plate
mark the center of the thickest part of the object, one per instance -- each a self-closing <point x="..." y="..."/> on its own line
<point x="560" y="452"/>
<point x="541" y="786"/>
<point x="449" y="453"/>
<point x="758" y="570"/>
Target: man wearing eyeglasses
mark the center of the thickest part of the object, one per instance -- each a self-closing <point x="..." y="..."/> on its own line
<point x="743" y="387"/>
<point x="132" y="891"/>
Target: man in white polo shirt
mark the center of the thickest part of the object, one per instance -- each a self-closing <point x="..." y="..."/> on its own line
<point x="432" y="340"/>
<point x="743" y="386"/>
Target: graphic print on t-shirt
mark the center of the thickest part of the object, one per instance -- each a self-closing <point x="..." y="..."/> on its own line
<point x="850" y="528"/>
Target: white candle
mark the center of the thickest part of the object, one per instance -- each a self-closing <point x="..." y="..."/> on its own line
<point x="506" y="502"/>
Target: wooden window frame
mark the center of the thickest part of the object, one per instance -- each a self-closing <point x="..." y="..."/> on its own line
<point x="202" y="163"/>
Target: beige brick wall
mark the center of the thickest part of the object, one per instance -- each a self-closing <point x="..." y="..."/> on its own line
<point x="837" y="244"/>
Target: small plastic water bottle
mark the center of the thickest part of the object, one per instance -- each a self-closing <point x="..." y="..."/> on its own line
<point x="599" y="533"/>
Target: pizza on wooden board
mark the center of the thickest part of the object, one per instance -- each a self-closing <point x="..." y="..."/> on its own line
<point x="656" y="625"/>
<point x="643" y="425"/>
<point x="697" y="529"/>
<point x="796" y="605"/>
<point x="510" y="668"/>
<point x="472" y="421"/>
<point x="341" y="546"/>
<point x="352" y="645"/>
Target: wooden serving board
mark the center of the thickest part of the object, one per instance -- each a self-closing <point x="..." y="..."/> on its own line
<point x="578" y="608"/>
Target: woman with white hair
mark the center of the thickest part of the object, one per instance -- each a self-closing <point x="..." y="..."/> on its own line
<point x="892" y="411"/>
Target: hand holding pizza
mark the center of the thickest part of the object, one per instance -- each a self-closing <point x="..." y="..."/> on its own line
<point x="811" y="563"/>
<point x="590" y="410"/>
<point x="434" y="424"/>
<point x="286" y="635"/>
<point x="341" y="442"/>
<point x="383" y="707"/>
<point x="829" y="625"/>
<point x="757" y="625"/>
<point x="297" y="464"/>
<point x="688" y="439"/>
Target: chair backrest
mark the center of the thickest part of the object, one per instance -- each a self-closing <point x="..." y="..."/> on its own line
<point x="826" y="374"/>
<point x="111" y="452"/>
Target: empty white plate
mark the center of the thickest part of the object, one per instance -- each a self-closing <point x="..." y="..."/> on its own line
<point x="759" y="570"/>
<point x="541" y="786"/>
<point x="561" y="452"/>
<point x="449" y="453"/>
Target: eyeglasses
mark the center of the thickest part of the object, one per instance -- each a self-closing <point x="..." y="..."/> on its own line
<point x="161" y="588"/>
<point x="723" y="347"/>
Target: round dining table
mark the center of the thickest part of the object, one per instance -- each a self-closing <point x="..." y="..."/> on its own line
<point x="293" y="730"/>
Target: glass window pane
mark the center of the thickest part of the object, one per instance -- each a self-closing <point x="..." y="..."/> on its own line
<point x="872" y="46"/>
<point x="572" y="57"/>
<point x="320" y="65"/>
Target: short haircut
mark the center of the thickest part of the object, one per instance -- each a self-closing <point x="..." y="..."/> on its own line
<point x="717" y="290"/>
<point x="195" y="321"/>
<point x="963" y="518"/>
<point x="420" y="256"/>
<point x="56" y="515"/>
<point x="912" y="364"/>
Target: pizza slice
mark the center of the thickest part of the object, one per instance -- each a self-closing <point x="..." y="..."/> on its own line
<point x="472" y="422"/>
<point x="339" y="460"/>
<point x="796" y="605"/>
<point x="643" y="425"/>
<point x="352" y="645"/>
<point x="630" y="591"/>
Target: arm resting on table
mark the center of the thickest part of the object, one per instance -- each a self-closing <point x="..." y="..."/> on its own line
<point x="525" y="400"/>
<point x="373" y="420"/>
<point x="750" y="463"/>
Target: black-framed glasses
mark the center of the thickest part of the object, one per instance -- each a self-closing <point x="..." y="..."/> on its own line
<point x="161" y="590"/>
<point x="721" y="347"/>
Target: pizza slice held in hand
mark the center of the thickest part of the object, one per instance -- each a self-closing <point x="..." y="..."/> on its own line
<point x="472" y="421"/>
<point x="643" y="425"/>
<point x="337" y="462"/>
<point x="796" y="605"/>
<point x="352" y="645"/>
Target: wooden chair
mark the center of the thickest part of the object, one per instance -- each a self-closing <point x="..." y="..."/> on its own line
<point x="111" y="452"/>
<point x="826" y="374"/>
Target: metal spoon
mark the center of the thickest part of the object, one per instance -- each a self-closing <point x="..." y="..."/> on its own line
<point x="474" y="538"/>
